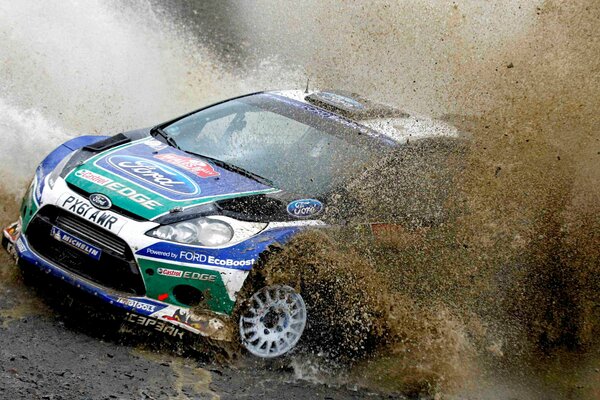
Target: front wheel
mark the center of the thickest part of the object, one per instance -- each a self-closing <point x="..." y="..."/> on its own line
<point x="273" y="322"/>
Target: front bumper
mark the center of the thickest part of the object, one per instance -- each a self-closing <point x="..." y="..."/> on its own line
<point x="164" y="266"/>
<point x="156" y="315"/>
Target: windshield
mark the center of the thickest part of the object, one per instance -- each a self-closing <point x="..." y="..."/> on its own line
<point x="298" y="147"/>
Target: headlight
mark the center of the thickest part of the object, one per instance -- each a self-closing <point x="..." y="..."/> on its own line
<point x="201" y="231"/>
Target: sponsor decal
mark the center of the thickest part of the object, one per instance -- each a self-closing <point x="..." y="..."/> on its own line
<point x="154" y="174"/>
<point x="93" y="177"/>
<point x="100" y="201"/>
<point x="86" y="210"/>
<point x="137" y="304"/>
<point x="186" y="275"/>
<point x="193" y="165"/>
<point x="197" y="258"/>
<point x="161" y="253"/>
<point x="212" y="260"/>
<point x="157" y="325"/>
<point x="169" y="272"/>
<point x="86" y="248"/>
<point x="119" y="188"/>
<point x="304" y="208"/>
<point x="163" y="296"/>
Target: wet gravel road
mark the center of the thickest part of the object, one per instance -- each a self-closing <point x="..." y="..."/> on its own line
<point x="49" y="351"/>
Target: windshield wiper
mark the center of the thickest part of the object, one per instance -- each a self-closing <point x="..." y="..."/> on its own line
<point x="168" y="138"/>
<point x="233" y="168"/>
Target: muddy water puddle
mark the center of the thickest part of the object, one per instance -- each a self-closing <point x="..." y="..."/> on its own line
<point x="190" y="380"/>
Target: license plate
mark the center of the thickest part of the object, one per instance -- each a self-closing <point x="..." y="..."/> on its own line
<point x="78" y="244"/>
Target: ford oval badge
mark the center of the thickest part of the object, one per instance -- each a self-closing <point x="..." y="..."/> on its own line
<point x="153" y="174"/>
<point x="304" y="208"/>
<point x="100" y="201"/>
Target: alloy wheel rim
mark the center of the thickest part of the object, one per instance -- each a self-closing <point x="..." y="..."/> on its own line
<point x="273" y="322"/>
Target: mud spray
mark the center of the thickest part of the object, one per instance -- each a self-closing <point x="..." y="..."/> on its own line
<point x="507" y="284"/>
<point x="498" y="298"/>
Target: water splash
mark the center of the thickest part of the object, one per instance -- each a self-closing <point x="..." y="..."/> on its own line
<point x="69" y="68"/>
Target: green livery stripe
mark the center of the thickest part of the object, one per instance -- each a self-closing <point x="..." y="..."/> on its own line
<point x="162" y="278"/>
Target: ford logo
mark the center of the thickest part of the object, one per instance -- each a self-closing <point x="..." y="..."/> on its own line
<point x="154" y="174"/>
<point x="100" y="201"/>
<point x="304" y="208"/>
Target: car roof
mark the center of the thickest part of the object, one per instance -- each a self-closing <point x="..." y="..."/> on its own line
<point x="398" y="125"/>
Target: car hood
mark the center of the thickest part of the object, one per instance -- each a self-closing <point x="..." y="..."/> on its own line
<point x="149" y="179"/>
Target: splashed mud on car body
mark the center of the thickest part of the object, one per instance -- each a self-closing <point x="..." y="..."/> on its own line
<point x="165" y="224"/>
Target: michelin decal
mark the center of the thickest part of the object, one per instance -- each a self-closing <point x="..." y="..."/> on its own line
<point x="84" y="247"/>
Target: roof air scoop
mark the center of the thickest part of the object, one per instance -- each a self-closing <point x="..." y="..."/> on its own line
<point x="339" y="102"/>
<point x="352" y="105"/>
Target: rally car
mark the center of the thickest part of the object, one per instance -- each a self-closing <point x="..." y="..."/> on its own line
<point x="166" y="223"/>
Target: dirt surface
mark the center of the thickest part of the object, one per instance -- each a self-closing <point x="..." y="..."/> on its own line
<point x="51" y="353"/>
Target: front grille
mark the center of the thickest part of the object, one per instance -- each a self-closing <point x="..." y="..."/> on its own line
<point x="116" y="268"/>
<point x="75" y="225"/>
